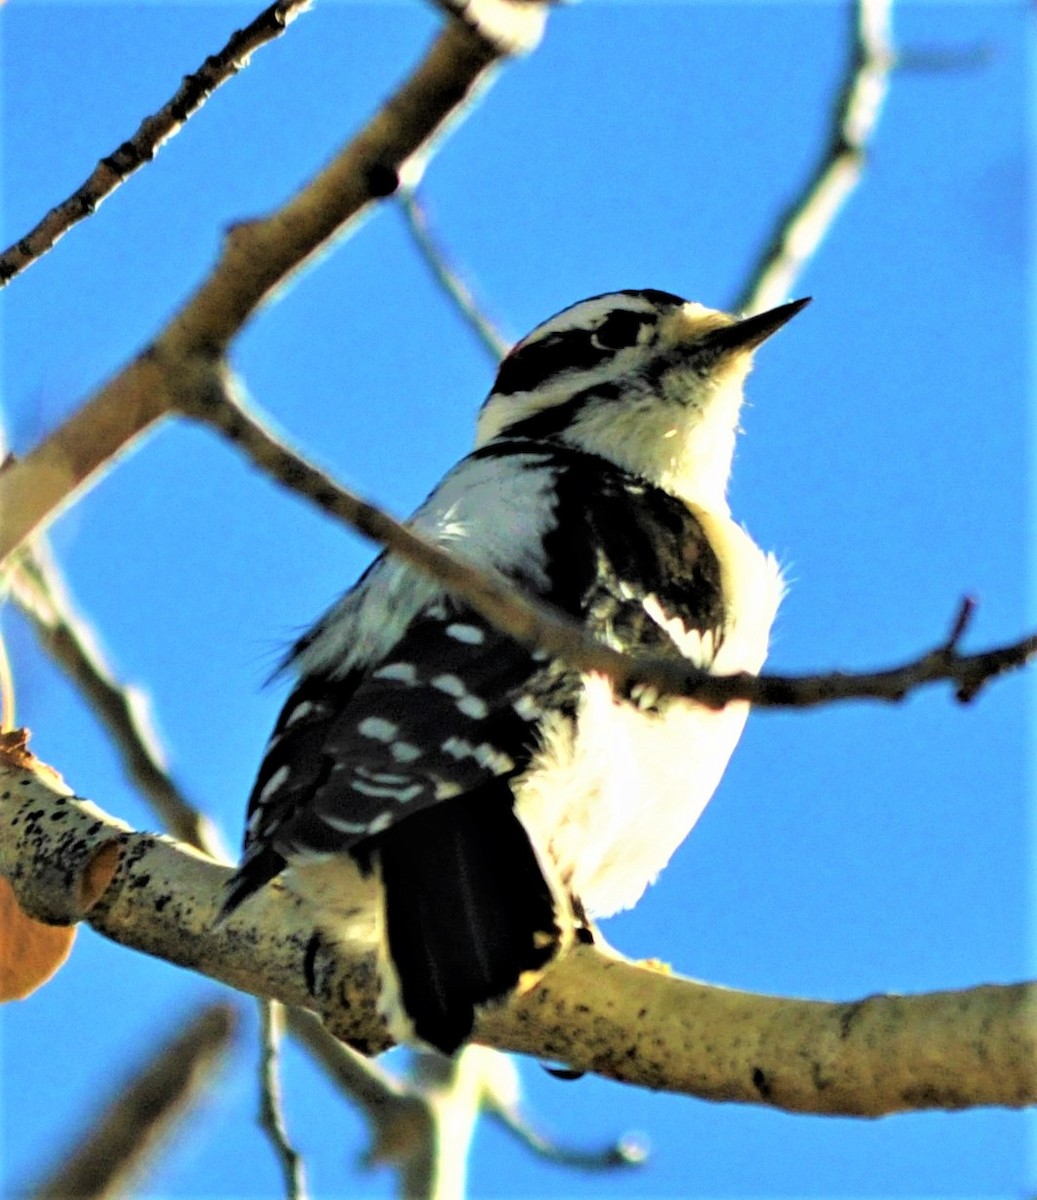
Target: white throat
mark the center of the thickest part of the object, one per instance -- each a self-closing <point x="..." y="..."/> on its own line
<point x="684" y="445"/>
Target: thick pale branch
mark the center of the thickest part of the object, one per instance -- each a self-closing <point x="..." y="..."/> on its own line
<point x="257" y="257"/>
<point x="153" y="131"/>
<point x="592" y="1010"/>
<point x="537" y="624"/>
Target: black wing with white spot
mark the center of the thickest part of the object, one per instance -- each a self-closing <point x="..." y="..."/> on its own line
<point x="454" y="704"/>
<point x="436" y="719"/>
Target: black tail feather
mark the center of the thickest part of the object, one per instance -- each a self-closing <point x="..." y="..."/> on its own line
<point x="255" y="872"/>
<point x="467" y="910"/>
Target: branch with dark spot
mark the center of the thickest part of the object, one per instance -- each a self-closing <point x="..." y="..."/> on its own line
<point x="259" y="256"/>
<point x="593" y="1010"/>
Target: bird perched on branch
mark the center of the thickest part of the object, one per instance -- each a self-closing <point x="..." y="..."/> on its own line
<point x="500" y="798"/>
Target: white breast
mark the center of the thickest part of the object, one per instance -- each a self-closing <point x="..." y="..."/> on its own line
<point x="609" y="805"/>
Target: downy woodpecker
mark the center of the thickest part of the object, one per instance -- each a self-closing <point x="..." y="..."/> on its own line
<point x="493" y="797"/>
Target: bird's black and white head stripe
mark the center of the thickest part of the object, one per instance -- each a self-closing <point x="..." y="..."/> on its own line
<point x="641" y="378"/>
<point x="581" y="338"/>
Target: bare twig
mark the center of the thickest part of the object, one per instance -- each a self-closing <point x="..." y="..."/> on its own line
<point x="134" y="1127"/>
<point x="535" y="623"/>
<point x="271" y="1112"/>
<point x="403" y="1122"/>
<point x="447" y="277"/>
<point x="258" y="257"/>
<point x="627" y="1151"/>
<point x="39" y="590"/>
<point x="502" y="1101"/>
<point x="153" y="131"/>
<point x="804" y="225"/>
<point x="592" y="1010"/>
<point x="360" y="1078"/>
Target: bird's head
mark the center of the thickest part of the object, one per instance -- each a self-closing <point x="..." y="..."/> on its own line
<point x="643" y="378"/>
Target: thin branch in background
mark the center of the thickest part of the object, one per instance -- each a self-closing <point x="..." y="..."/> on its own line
<point x="134" y="1128"/>
<point x="111" y="172"/>
<point x="453" y="1091"/>
<point x="359" y="1078"/>
<point x="271" y="1115"/>
<point x="447" y="277"/>
<point x="502" y="1096"/>
<point x="40" y="591"/>
<point x="258" y="257"/>
<point x="400" y="1116"/>
<point x="402" y="1121"/>
<point x="535" y="623"/>
<point x="627" y="1151"/>
<point x="805" y="224"/>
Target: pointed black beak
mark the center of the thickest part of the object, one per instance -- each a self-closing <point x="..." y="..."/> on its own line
<point x="751" y="332"/>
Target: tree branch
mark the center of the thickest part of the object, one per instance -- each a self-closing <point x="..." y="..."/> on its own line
<point x="535" y="623"/>
<point x="173" y="374"/>
<point x="132" y="1129"/>
<point x="456" y="289"/>
<point x="271" y="1110"/>
<point x="593" y="1010"/>
<point x="39" y="590"/>
<point x="804" y="225"/>
<point x="511" y="26"/>
<point x="111" y="172"/>
<point x="502" y="1102"/>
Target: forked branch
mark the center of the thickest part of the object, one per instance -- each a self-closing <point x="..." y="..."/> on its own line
<point x="258" y="257"/>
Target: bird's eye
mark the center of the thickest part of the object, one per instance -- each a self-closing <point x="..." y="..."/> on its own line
<point x="619" y="329"/>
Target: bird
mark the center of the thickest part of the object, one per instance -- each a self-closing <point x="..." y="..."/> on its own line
<point x="496" y="800"/>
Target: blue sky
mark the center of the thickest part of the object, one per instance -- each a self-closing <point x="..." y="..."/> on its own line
<point x="886" y="460"/>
